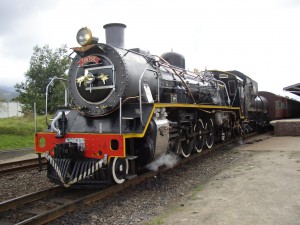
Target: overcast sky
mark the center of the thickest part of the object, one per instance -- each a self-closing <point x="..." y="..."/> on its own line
<point x="260" y="38"/>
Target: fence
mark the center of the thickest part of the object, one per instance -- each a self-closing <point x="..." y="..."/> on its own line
<point x="10" y="109"/>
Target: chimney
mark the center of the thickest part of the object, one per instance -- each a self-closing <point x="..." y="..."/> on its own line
<point x="114" y="33"/>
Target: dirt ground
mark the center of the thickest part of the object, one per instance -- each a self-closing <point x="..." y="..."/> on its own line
<point x="263" y="187"/>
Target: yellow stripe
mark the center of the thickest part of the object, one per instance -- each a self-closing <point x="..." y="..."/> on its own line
<point x="180" y="105"/>
<point x="197" y="106"/>
<point x="136" y="135"/>
<point x="167" y="105"/>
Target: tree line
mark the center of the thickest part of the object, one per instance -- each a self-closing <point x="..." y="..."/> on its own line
<point x="45" y="64"/>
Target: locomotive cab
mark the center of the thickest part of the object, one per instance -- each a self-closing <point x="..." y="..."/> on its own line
<point x="234" y="87"/>
<point x="242" y="90"/>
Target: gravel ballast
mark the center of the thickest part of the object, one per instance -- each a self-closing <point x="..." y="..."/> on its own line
<point x="21" y="183"/>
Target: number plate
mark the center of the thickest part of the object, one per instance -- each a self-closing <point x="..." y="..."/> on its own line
<point x="79" y="141"/>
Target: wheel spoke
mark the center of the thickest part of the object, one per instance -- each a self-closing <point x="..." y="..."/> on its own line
<point x="199" y="136"/>
<point x="185" y="148"/>
<point x="210" y="133"/>
<point x="186" y="143"/>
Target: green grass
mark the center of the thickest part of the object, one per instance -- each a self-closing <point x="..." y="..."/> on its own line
<point x="196" y="190"/>
<point x="18" y="132"/>
<point x="156" y="221"/>
<point x="10" y="141"/>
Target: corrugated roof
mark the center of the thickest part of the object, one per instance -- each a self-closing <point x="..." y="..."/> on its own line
<point x="294" y="89"/>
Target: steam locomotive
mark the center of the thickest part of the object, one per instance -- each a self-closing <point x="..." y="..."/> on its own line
<point x="127" y="107"/>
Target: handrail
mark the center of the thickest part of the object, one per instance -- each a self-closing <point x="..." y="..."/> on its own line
<point x="66" y="94"/>
<point x="228" y="99"/>
<point x="120" y="115"/>
<point x="140" y="92"/>
<point x="173" y="68"/>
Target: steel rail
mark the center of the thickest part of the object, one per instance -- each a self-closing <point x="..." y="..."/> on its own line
<point x="21" y="165"/>
<point x="13" y="203"/>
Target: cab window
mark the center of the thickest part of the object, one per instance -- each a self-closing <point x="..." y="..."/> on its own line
<point x="232" y="87"/>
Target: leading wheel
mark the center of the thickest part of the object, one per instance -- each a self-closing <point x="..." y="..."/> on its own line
<point x="210" y="136"/>
<point x="119" y="169"/>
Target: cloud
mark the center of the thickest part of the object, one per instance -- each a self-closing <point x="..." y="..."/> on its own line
<point x="291" y="3"/>
<point x="12" y="12"/>
<point x="259" y="38"/>
<point x="18" y="27"/>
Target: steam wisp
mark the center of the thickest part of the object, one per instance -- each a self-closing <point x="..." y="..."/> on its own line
<point x="240" y="140"/>
<point x="169" y="160"/>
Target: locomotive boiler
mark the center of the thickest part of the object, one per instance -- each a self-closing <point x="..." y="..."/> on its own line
<point x="127" y="107"/>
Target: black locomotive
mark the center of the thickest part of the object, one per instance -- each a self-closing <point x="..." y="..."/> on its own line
<point x="127" y="107"/>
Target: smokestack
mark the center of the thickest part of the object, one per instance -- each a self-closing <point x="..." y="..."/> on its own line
<point x="114" y="33"/>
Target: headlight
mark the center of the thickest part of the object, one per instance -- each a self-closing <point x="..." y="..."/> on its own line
<point x="85" y="37"/>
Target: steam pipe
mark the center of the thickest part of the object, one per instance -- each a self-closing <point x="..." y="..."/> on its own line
<point x="53" y="128"/>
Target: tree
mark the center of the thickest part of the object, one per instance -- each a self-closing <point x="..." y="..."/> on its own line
<point x="45" y="63"/>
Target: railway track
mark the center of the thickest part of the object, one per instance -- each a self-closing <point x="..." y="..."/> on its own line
<point x="17" y="166"/>
<point x="44" y="206"/>
<point x="29" y="205"/>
